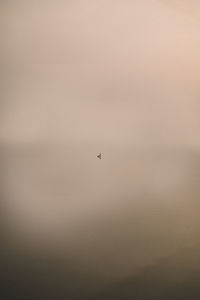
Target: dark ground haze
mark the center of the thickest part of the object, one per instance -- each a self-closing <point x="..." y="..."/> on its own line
<point x="128" y="252"/>
<point x="83" y="77"/>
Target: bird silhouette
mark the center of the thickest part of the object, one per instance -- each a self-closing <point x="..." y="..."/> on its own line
<point x="99" y="155"/>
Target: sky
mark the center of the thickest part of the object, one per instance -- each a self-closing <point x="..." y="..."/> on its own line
<point x="118" y="77"/>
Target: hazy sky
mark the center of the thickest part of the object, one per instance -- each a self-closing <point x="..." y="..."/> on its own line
<point x="121" y="77"/>
<point x="119" y="72"/>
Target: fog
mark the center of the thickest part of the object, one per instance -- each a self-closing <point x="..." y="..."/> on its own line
<point x="83" y="77"/>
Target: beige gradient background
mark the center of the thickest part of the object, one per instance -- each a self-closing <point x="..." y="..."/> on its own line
<point x="120" y="77"/>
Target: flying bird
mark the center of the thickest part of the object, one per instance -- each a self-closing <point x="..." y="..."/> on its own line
<point x="99" y="155"/>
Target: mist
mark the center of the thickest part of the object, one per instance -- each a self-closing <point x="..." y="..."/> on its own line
<point x="84" y="77"/>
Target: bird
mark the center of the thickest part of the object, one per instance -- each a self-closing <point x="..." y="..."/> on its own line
<point x="99" y="155"/>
